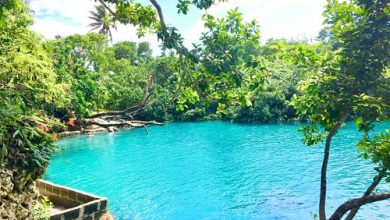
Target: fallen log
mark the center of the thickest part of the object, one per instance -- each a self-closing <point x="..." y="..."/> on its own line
<point x="93" y="130"/>
<point x="105" y="124"/>
<point x="118" y="123"/>
<point x="147" y="122"/>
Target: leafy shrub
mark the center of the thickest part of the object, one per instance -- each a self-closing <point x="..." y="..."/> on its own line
<point x="42" y="209"/>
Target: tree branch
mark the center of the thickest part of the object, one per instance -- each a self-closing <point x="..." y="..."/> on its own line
<point x="368" y="192"/>
<point x="106" y="7"/>
<point x="180" y="48"/>
<point x="160" y="14"/>
<point x="354" y="203"/>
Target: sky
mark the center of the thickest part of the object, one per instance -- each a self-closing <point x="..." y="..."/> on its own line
<point x="290" y="19"/>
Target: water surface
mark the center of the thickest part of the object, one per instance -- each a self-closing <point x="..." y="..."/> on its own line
<point x="214" y="170"/>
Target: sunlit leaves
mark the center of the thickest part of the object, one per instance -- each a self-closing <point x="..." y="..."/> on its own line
<point x="183" y="5"/>
<point x="229" y="58"/>
<point x="377" y="150"/>
<point x="311" y="134"/>
<point x="188" y="95"/>
<point x="26" y="69"/>
<point x="101" y="77"/>
<point x="142" y="16"/>
<point x="351" y="79"/>
<point x="27" y="88"/>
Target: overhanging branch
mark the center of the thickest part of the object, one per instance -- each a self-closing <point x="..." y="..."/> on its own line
<point x="106" y="7"/>
<point x="354" y="203"/>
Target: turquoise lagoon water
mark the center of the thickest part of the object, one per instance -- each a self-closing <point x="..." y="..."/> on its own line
<point x="213" y="170"/>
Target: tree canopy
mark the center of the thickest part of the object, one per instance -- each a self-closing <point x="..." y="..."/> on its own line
<point x="350" y="82"/>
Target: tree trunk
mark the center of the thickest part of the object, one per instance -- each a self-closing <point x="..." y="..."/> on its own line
<point x="354" y="203"/>
<point x="332" y="132"/>
<point x="368" y="192"/>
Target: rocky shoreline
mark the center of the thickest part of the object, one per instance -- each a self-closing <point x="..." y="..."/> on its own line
<point x="99" y="125"/>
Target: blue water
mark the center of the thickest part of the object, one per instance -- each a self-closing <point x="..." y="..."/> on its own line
<point x="214" y="170"/>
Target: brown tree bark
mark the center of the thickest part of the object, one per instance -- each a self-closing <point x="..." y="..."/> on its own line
<point x="368" y="192"/>
<point x="332" y="132"/>
<point x="354" y="203"/>
<point x="106" y="6"/>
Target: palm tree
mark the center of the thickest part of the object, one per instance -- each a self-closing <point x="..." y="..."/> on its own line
<point x="102" y="20"/>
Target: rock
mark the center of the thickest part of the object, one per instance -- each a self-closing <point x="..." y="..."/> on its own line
<point x="6" y="185"/>
<point x="92" y="127"/>
<point x="15" y="205"/>
<point x="94" y="130"/>
<point x="69" y="133"/>
<point x="112" y="129"/>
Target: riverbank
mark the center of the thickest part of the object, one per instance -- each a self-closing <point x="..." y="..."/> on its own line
<point x="98" y="125"/>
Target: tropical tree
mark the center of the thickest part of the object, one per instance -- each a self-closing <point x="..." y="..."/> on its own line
<point x="351" y="82"/>
<point x="132" y="52"/>
<point x="151" y="18"/>
<point x="76" y="60"/>
<point x="102" y="20"/>
<point x="27" y="88"/>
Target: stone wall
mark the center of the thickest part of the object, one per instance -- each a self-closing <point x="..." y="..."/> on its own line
<point x="71" y="203"/>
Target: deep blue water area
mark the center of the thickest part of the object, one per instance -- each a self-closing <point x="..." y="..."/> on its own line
<point x="214" y="170"/>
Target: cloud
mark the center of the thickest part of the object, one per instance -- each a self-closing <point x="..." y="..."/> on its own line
<point x="55" y="17"/>
<point x="277" y="18"/>
<point x="63" y="18"/>
<point x="129" y="33"/>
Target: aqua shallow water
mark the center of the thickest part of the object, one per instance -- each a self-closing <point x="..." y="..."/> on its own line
<point x="213" y="170"/>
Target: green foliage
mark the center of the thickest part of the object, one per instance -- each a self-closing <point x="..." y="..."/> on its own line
<point x="102" y="20"/>
<point x="271" y="102"/>
<point x="132" y="52"/>
<point x="377" y="150"/>
<point x="42" y="209"/>
<point x="268" y="106"/>
<point x="126" y="50"/>
<point x="76" y="59"/>
<point x="100" y="77"/>
<point x="312" y="134"/>
<point x="228" y="65"/>
<point x="22" y="144"/>
<point x="144" y="17"/>
<point x="27" y="87"/>
<point x="26" y="71"/>
<point x="125" y="84"/>
<point x="130" y="12"/>
<point x="228" y="75"/>
<point x="183" y="5"/>
<point x="350" y="81"/>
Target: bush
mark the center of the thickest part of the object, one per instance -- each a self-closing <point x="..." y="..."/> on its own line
<point x="42" y="209"/>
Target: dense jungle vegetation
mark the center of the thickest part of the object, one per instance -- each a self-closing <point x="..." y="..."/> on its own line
<point x="46" y="86"/>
